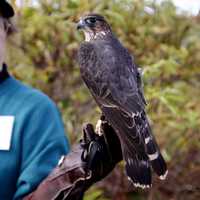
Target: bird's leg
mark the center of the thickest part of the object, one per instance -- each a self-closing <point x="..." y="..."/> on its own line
<point x="101" y="125"/>
<point x="98" y="129"/>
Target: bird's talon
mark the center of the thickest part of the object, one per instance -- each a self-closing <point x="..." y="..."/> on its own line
<point x="98" y="128"/>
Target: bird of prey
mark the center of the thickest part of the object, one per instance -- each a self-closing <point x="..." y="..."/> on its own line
<point x="114" y="81"/>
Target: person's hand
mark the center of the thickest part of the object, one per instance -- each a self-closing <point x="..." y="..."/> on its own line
<point x="102" y="149"/>
<point x="88" y="162"/>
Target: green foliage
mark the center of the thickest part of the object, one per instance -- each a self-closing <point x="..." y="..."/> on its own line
<point x="165" y="44"/>
<point x="94" y="194"/>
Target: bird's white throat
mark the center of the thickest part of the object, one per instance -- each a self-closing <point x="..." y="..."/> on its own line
<point x="93" y="36"/>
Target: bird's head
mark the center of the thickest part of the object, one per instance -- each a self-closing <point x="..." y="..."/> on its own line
<point x="94" y="27"/>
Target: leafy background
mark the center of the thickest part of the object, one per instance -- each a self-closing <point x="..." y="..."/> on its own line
<point x="167" y="47"/>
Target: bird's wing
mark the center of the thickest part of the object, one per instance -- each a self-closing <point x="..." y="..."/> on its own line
<point x="119" y="78"/>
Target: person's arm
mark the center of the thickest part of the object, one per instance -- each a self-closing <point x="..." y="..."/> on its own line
<point x="88" y="162"/>
<point x="43" y="142"/>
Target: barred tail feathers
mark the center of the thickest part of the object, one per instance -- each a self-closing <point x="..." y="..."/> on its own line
<point x="137" y="165"/>
<point x="157" y="161"/>
<point x="139" y="172"/>
<point x="155" y="157"/>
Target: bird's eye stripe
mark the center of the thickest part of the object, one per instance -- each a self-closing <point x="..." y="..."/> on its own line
<point x="91" y="20"/>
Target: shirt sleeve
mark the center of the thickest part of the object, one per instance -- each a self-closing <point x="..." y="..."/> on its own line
<point x="43" y="143"/>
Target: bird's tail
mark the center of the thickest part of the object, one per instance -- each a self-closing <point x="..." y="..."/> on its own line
<point x="138" y="172"/>
<point x="151" y="147"/>
<point x="139" y="159"/>
<point x="137" y="165"/>
<point x="155" y="157"/>
<point x="139" y="148"/>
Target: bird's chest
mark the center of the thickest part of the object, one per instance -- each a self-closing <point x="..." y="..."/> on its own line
<point x="94" y="71"/>
<point x="95" y="78"/>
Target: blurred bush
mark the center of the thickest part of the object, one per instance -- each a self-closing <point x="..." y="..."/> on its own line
<point x="165" y="44"/>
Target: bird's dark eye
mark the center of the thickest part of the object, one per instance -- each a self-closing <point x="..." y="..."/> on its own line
<point x="91" y="20"/>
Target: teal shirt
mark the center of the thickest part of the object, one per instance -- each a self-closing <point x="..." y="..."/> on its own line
<point x="37" y="139"/>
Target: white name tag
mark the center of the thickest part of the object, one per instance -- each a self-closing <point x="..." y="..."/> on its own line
<point x="6" y="129"/>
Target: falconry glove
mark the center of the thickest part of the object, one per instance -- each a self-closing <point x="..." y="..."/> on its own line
<point x="88" y="162"/>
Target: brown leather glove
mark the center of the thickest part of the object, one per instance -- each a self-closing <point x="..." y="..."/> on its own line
<point x="88" y="162"/>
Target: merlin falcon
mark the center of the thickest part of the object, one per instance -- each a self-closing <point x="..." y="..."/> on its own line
<point x="114" y="81"/>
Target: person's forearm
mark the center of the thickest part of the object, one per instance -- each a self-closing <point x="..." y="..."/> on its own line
<point x="88" y="162"/>
<point x="63" y="180"/>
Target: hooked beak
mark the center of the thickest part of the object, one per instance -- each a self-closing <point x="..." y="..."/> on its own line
<point x="81" y="25"/>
